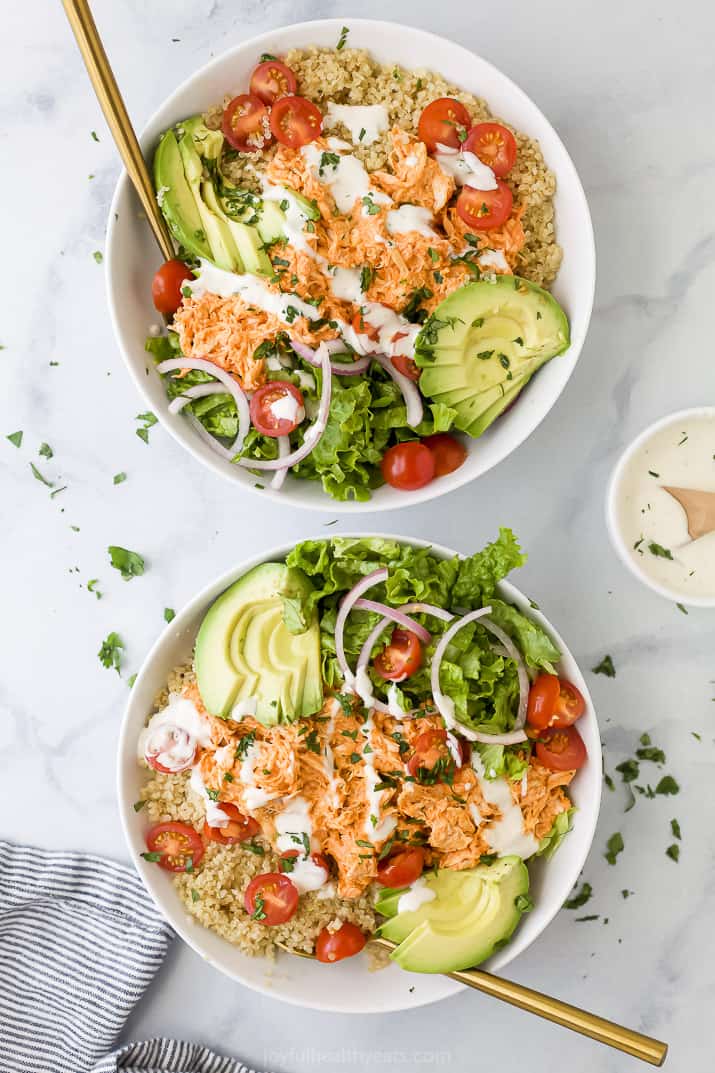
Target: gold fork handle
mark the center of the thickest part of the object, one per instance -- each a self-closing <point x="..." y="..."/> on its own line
<point x="553" y="1009"/>
<point x="110" y="99"/>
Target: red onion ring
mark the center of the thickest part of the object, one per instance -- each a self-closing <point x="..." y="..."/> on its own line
<point x="351" y="368"/>
<point x="514" y="653"/>
<point x="396" y="615"/>
<point x="312" y="435"/>
<point x="199" y="391"/>
<point x="280" y="475"/>
<point x="345" y="608"/>
<point x="239" y="396"/>
<point x="410" y="392"/>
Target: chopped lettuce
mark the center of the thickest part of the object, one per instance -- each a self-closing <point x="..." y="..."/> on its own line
<point x="561" y="827"/>
<point x="482" y="682"/>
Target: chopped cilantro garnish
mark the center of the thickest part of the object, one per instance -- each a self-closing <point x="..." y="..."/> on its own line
<point x="259" y="912"/>
<point x="15" y="438"/>
<point x="345" y="701"/>
<point x="46" y="451"/>
<point x="328" y="160"/>
<point x="148" y="419"/>
<point x="98" y="256"/>
<point x="110" y="654"/>
<point x="38" y="477"/>
<point x="579" y="898"/>
<point x="614" y="846"/>
<point x="667" y="785"/>
<point x="681" y="608"/>
<point x="254" y="847"/>
<point x="370" y="207"/>
<point x="523" y="903"/>
<point x="139" y="805"/>
<point x="92" y="587"/>
<point x="129" y="563"/>
<point x="582" y="920"/>
<point x="675" y="828"/>
<point x="343" y="38"/>
<point x="652" y="753"/>
<point x="94" y="135"/>
<point x="605" y="667"/>
<point x="169" y="614"/>
<point x="195" y="896"/>
<point x="244" y="745"/>
<point x="673" y="852"/>
<point x="659" y="550"/>
<point x="367" y="275"/>
<point x="119" y="478"/>
<point x="212" y="794"/>
<point x="153" y="857"/>
<point x="131" y="680"/>
<point x="629" y="769"/>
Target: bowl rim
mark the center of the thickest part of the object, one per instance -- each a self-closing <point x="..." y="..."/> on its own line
<point x="611" y="506"/>
<point x="294" y="497"/>
<point x="176" y="915"/>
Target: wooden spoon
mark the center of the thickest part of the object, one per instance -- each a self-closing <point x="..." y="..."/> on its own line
<point x="699" y="509"/>
<point x="552" y="1009"/>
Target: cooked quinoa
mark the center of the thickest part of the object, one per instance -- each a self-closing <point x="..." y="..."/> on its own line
<point x="353" y="77"/>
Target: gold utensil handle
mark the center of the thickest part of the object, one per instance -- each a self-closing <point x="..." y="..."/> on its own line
<point x="110" y="99"/>
<point x="552" y="1009"/>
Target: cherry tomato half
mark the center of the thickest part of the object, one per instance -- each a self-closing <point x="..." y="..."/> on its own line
<point x="400" y="658"/>
<point x="429" y="748"/>
<point x="495" y="146"/>
<point x="238" y="829"/>
<point x="271" y="898"/>
<point x="167" y="283"/>
<point x="318" y="859"/>
<point x="443" y="121"/>
<point x="401" y="868"/>
<point x="295" y="121"/>
<point x="277" y="408"/>
<point x="271" y="80"/>
<point x="554" y="702"/>
<point x="485" y="209"/>
<point x="177" y="844"/>
<point x="561" y="749"/>
<point x="448" y="453"/>
<point x="406" y="366"/>
<point x="332" y="946"/>
<point x="408" y="465"/>
<point x="246" y="123"/>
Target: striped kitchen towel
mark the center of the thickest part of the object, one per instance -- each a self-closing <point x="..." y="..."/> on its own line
<point x="80" y="941"/>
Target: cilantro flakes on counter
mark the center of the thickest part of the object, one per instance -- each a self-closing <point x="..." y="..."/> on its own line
<point x="675" y="828"/>
<point x="95" y="137"/>
<point x="582" y="920"/>
<point x="129" y="563"/>
<point x="98" y="256"/>
<point x="673" y="852"/>
<point x="39" y="477"/>
<point x="169" y="614"/>
<point x="605" y="667"/>
<point x="667" y="785"/>
<point x="131" y="680"/>
<point x="614" y="846"/>
<point x="579" y="898"/>
<point x="46" y="451"/>
<point x="15" y="439"/>
<point x="681" y="608"/>
<point x="148" y="420"/>
<point x="92" y="587"/>
<point x="110" y="654"/>
<point x="119" y="478"/>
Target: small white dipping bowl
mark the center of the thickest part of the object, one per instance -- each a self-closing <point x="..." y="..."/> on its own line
<point x="132" y="256"/>
<point x="614" y="520"/>
<point x="347" y="987"/>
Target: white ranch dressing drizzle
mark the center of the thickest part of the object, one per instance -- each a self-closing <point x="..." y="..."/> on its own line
<point x="507" y="835"/>
<point x="253" y="796"/>
<point x="295" y="215"/>
<point x="393" y="702"/>
<point x="381" y="829"/>
<point x="465" y="168"/>
<point x="410" y="218"/>
<point x="252" y="290"/>
<point x="417" y="895"/>
<point x="494" y="259"/>
<point x="215" y="816"/>
<point x="294" y="828"/>
<point x="370" y="120"/>
<point x="347" y="179"/>
<point x="242" y="708"/>
<point x="454" y="750"/>
<point x="287" y="408"/>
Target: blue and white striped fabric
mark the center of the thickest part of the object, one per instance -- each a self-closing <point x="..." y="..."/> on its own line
<point x="80" y="941"/>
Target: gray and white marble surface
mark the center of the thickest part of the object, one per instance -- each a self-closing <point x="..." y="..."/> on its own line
<point x="630" y="88"/>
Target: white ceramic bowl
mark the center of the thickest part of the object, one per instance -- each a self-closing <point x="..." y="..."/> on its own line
<point x="347" y="987"/>
<point x="132" y="256"/>
<point x="622" y="546"/>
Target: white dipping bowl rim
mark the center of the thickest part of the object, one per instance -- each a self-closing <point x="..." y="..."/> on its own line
<point x="131" y="255"/>
<point x="614" y="530"/>
<point x="347" y="987"/>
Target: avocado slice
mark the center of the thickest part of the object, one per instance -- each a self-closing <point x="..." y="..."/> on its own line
<point x="473" y="913"/>
<point x="251" y="255"/>
<point x="223" y="248"/>
<point x="484" y="340"/>
<point x="175" y="198"/>
<point x="207" y="143"/>
<point x="244" y="648"/>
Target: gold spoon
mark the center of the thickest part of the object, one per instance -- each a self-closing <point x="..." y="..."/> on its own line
<point x="699" y="509"/>
<point x="552" y="1009"/>
<point x="110" y="99"/>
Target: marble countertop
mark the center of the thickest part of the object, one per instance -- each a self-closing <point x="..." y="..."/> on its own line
<point x="629" y="88"/>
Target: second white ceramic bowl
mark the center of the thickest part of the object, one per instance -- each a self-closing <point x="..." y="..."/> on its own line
<point x="347" y="987"/>
<point x="132" y="256"/>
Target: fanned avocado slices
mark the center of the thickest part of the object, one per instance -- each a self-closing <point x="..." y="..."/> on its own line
<point x="484" y="342"/>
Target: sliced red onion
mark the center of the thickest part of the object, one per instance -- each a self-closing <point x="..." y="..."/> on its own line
<point x="396" y="615"/>
<point x="312" y="435"/>
<point x="345" y="608"/>
<point x="410" y="391"/>
<point x="514" y="653"/>
<point x="212" y="442"/>
<point x="199" y="391"/>
<point x="280" y="474"/>
<point x="348" y="368"/>
<point x="239" y="396"/>
<point x="426" y="609"/>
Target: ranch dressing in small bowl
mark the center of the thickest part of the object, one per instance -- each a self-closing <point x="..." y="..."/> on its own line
<point x="649" y="525"/>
